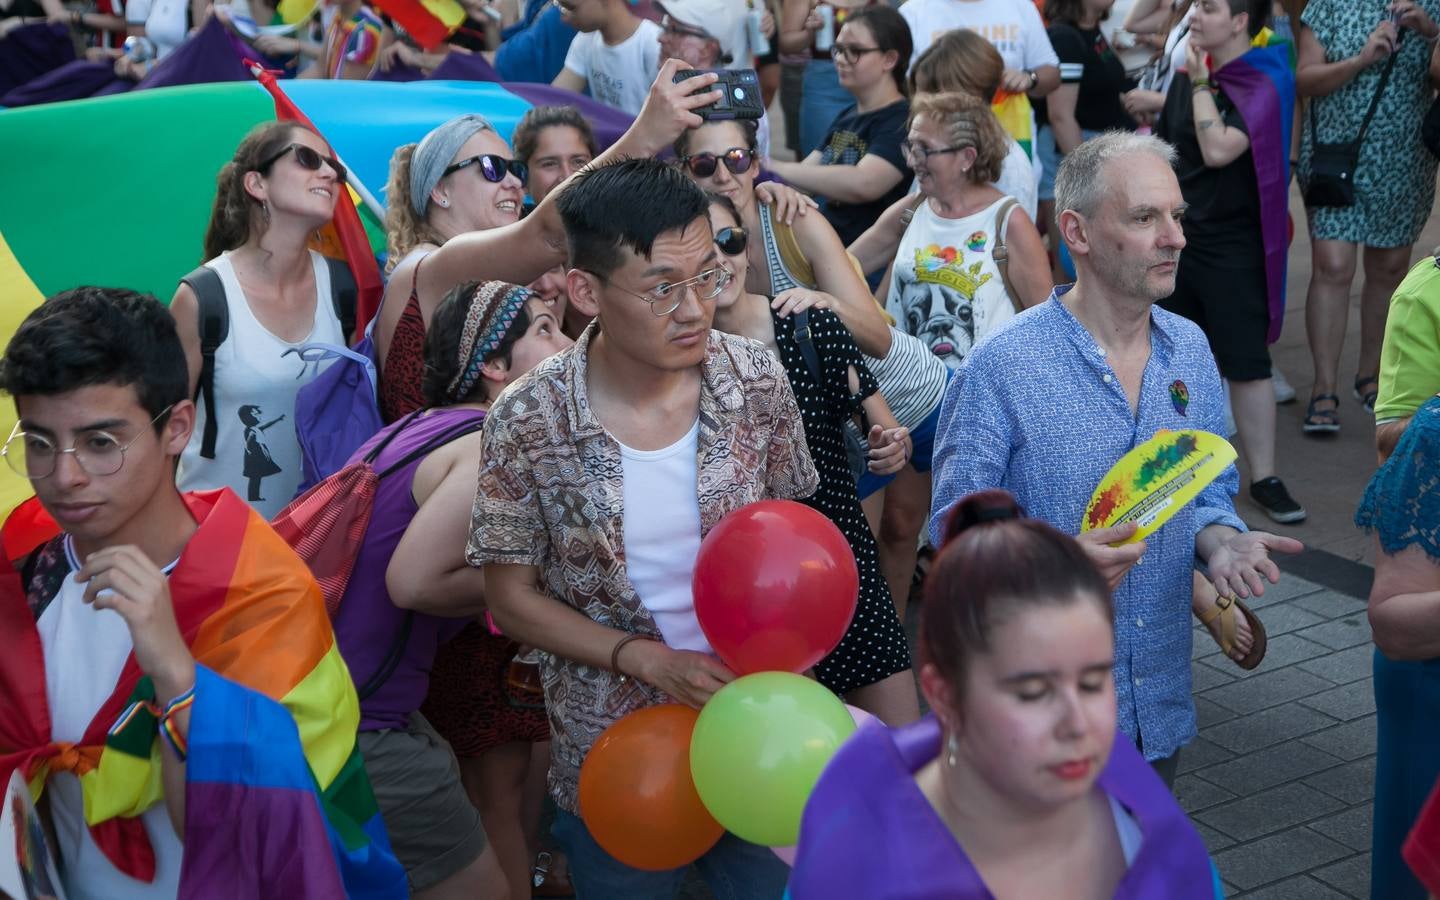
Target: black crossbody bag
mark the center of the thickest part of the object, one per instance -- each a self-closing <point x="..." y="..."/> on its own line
<point x="1332" y="166"/>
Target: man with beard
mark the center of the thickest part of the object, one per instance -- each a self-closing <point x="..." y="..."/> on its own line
<point x="1049" y="402"/>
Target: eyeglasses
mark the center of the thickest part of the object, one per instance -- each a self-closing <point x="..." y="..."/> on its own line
<point x="493" y="167"/>
<point x="35" y="457"/>
<point x="916" y="152"/>
<point x="851" y="53"/>
<point x="737" y="159"/>
<point x="664" y="298"/>
<point x="731" y="241"/>
<point x="308" y="158"/>
<point x="670" y="26"/>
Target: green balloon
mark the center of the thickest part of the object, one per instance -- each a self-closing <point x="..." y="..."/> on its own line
<point x="758" y="748"/>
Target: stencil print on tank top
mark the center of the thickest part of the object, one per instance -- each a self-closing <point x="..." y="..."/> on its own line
<point x="259" y="462"/>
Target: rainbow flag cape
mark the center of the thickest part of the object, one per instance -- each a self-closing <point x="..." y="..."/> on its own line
<point x="1261" y="84"/>
<point x="255" y="621"/>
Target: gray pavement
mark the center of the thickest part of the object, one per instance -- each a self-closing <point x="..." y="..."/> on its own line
<point x="1281" y="778"/>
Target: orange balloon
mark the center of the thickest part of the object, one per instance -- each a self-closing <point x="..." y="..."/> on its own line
<point x="637" y="796"/>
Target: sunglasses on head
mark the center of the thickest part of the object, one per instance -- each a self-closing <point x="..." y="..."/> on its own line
<point x="308" y="158"/>
<point x="493" y="167"/>
<point x="737" y="159"/>
<point x="731" y="241"/>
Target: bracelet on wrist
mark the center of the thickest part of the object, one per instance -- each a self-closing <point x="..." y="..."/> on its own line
<point x="168" y="729"/>
<point x="620" y="645"/>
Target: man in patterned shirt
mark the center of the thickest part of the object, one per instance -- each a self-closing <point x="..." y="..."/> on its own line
<point x="604" y="468"/>
<point x="1049" y="402"/>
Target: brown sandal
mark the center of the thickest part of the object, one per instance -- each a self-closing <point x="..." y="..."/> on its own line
<point x="1224" y="609"/>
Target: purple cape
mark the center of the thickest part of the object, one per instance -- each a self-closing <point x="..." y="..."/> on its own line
<point x="1262" y="87"/>
<point x="869" y="832"/>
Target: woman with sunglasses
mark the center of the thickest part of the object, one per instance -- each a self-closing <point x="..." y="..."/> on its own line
<point x="858" y="169"/>
<point x="281" y="185"/>
<point x="831" y="384"/>
<point x="459" y="178"/>
<point x="804" y="265"/>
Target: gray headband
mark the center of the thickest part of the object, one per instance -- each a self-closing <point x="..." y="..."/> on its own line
<point x="433" y="154"/>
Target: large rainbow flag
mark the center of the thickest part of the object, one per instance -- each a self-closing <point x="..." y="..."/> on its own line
<point x="272" y="810"/>
<point x="117" y="190"/>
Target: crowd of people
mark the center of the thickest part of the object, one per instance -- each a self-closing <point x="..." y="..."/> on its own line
<point x="1011" y="242"/>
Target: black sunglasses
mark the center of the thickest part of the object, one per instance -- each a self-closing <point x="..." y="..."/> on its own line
<point x="731" y="241"/>
<point x="737" y="159"/>
<point x="493" y="167"/>
<point x="308" y="158"/>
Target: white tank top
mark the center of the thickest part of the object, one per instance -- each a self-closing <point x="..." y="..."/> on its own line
<point x="256" y="452"/>
<point x="947" y="290"/>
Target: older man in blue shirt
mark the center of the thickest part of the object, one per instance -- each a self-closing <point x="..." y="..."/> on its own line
<point x="1047" y="404"/>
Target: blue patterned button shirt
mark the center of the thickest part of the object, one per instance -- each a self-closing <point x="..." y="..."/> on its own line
<point x="1038" y="411"/>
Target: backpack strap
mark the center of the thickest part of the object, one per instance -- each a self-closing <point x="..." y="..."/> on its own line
<point x="807" y="345"/>
<point x="343" y="296"/>
<point x="1000" y="252"/>
<point x="391" y="661"/>
<point x="379" y="448"/>
<point x="214" y="324"/>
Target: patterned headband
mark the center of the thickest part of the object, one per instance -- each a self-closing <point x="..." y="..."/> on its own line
<point x="492" y="311"/>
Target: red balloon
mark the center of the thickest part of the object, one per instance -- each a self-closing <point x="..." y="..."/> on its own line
<point x="775" y="587"/>
<point x="637" y="797"/>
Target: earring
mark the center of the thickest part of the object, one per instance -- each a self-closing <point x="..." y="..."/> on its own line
<point x="952" y="750"/>
<point x="444" y="204"/>
<point x="265" y="210"/>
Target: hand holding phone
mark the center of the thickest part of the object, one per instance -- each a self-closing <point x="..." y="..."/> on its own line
<point x="740" y="94"/>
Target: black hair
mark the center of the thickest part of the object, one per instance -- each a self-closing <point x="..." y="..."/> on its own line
<point x="526" y="136"/>
<point x="891" y="32"/>
<point x="625" y="204"/>
<point x="1259" y="11"/>
<point x="94" y="335"/>
<point x="747" y="127"/>
<point x="726" y="203"/>
<point x="442" y="346"/>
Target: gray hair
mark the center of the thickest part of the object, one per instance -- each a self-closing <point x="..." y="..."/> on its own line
<point x="1081" y="183"/>
<point x="434" y="152"/>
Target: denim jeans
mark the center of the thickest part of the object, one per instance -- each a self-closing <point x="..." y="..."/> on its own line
<point x="734" y="869"/>
<point x="821" y="103"/>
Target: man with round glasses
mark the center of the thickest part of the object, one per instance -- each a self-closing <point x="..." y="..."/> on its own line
<point x="147" y="629"/>
<point x="606" y="465"/>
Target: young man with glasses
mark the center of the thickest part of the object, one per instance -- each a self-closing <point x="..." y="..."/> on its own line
<point x="615" y="56"/>
<point x="149" y="639"/>
<point x="606" y="465"/>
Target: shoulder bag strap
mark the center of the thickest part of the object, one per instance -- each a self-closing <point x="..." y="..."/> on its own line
<point x="1369" y="113"/>
<point x="807" y="345"/>
<point x="1000" y="252"/>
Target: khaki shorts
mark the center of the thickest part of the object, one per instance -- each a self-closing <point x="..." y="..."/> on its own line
<point x="434" y="829"/>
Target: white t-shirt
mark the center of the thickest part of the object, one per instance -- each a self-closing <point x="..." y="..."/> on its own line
<point x="1012" y="26"/>
<point x="85" y="650"/>
<point x="256" y="452"/>
<point x="618" y="76"/>
<point x="947" y="288"/>
<point x="166" y="22"/>
<point x="662" y="535"/>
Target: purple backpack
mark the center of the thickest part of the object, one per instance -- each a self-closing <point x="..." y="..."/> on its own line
<point x="339" y="409"/>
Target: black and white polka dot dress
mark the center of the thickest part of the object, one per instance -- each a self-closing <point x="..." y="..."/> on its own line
<point x="875" y="646"/>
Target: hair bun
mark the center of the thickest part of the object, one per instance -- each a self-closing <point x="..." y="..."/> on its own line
<point x="981" y="508"/>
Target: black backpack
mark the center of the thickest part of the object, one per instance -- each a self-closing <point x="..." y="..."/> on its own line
<point x="214" y="322"/>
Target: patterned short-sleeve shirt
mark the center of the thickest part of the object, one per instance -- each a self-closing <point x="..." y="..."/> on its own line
<point x="551" y="494"/>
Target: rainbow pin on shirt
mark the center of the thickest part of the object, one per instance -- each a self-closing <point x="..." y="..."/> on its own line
<point x="1156" y="479"/>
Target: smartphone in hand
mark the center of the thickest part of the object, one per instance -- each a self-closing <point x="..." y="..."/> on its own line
<point x="740" y="94"/>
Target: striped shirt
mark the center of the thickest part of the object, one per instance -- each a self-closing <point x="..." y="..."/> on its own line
<point x="912" y="379"/>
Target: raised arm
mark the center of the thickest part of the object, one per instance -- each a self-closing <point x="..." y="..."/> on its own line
<point x="835" y="275"/>
<point x="1314" y="77"/>
<point x="527" y="249"/>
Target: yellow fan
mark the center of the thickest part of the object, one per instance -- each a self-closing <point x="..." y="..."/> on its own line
<point x="1156" y="479"/>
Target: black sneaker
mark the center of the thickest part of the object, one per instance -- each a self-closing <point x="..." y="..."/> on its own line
<point x="1271" y="496"/>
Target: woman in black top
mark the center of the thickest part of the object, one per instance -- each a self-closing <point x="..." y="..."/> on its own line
<point x="831" y="383"/>
<point x="1088" y="100"/>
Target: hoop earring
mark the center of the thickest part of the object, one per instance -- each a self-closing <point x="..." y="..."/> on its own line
<point x="952" y="750"/>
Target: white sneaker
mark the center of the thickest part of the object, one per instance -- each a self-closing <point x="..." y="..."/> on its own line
<point x="1284" y="393"/>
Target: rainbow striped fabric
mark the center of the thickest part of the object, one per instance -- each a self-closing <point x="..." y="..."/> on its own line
<point x="273" y="766"/>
